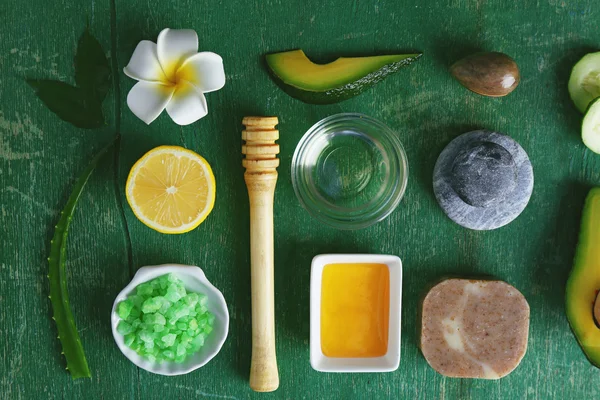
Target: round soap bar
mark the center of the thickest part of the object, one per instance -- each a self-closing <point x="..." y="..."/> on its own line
<point x="483" y="180"/>
<point x="474" y="328"/>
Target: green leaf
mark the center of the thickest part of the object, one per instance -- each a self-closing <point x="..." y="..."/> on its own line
<point x="71" y="104"/>
<point x="92" y="71"/>
<point x="59" y="296"/>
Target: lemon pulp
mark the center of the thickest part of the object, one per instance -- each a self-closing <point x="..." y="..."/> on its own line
<point x="171" y="189"/>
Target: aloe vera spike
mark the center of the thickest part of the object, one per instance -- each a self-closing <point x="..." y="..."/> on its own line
<point x="59" y="297"/>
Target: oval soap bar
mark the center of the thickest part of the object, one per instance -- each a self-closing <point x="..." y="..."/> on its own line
<point x="474" y="328"/>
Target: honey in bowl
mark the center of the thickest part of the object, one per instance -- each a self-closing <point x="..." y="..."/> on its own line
<point x="355" y="301"/>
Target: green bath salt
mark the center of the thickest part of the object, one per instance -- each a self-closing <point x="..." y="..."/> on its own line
<point x="162" y="321"/>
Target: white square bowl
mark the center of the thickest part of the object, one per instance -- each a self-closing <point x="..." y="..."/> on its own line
<point x="391" y="360"/>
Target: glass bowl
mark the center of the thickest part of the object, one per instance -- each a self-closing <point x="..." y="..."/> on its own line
<point x="349" y="171"/>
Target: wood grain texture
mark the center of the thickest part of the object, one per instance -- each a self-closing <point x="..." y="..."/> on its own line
<point x="40" y="156"/>
<point x="261" y="161"/>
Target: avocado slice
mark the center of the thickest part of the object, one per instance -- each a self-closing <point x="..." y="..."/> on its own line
<point x="584" y="281"/>
<point x="337" y="81"/>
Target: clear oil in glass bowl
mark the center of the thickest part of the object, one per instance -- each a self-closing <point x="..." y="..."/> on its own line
<point x="349" y="170"/>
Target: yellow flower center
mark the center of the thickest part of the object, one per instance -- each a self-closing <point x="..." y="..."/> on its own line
<point x="177" y="75"/>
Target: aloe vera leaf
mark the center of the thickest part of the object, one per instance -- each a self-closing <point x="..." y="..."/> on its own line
<point x="59" y="296"/>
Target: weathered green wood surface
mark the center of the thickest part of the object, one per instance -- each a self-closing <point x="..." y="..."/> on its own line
<point x="40" y="156"/>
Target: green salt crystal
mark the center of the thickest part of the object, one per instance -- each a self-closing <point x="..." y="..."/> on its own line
<point x="203" y="300"/>
<point x="124" y="328"/>
<point x="169" y="339"/>
<point x="181" y="326"/>
<point x="148" y="318"/>
<point x="129" y="339"/>
<point x="191" y="299"/>
<point x="173" y="296"/>
<point x="198" y="341"/>
<point x="163" y="283"/>
<point x="135" y="312"/>
<point x="136" y="300"/>
<point x="193" y="324"/>
<point x="211" y="318"/>
<point x="144" y="289"/>
<point x="151" y="358"/>
<point x="159" y="328"/>
<point x="191" y="333"/>
<point x="170" y="312"/>
<point x="171" y="277"/>
<point x="145" y="327"/>
<point x="149" y="345"/>
<point x="181" y="311"/>
<point x="180" y="349"/>
<point x="185" y="338"/>
<point x="124" y="308"/>
<point x="165" y="305"/>
<point x="152" y="305"/>
<point x="208" y="329"/>
<point x="154" y="319"/>
<point x="201" y="309"/>
<point x="173" y="287"/>
<point x="177" y="287"/>
<point x="146" y="336"/>
<point x="168" y="354"/>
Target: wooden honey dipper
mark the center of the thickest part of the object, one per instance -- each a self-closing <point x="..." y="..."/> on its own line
<point x="261" y="176"/>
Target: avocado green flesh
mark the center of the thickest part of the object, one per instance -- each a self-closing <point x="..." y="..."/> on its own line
<point x="333" y="82"/>
<point x="584" y="281"/>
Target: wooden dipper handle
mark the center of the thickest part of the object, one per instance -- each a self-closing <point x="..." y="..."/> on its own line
<point x="261" y="176"/>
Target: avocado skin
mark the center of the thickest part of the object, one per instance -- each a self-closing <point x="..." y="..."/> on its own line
<point x="346" y="91"/>
<point x="575" y="289"/>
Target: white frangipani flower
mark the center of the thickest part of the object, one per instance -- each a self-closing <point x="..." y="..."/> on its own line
<point x="173" y="75"/>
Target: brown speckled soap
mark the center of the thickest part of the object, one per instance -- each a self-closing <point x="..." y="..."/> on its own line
<point x="474" y="328"/>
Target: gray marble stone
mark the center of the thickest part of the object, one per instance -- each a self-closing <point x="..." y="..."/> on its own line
<point x="483" y="180"/>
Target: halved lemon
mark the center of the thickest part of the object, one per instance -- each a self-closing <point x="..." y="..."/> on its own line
<point x="171" y="189"/>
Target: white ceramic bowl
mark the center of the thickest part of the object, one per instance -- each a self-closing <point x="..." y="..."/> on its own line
<point x="195" y="281"/>
<point x="386" y="363"/>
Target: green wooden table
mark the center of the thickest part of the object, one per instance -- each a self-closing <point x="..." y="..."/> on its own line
<point x="40" y="156"/>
